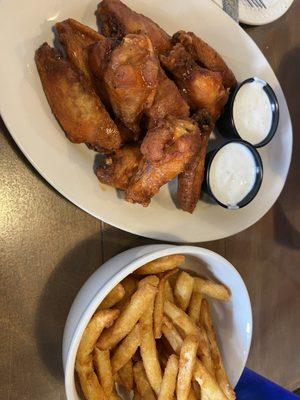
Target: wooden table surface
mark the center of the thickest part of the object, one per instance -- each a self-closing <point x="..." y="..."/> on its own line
<point x="48" y="248"/>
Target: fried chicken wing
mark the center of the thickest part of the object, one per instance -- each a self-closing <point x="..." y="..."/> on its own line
<point x="167" y="101"/>
<point x="167" y="149"/>
<point x="205" y="55"/>
<point x="76" y="39"/>
<point x="117" y="20"/>
<point x="190" y="181"/>
<point x="201" y="87"/>
<point x="98" y="58"/>
<point x="131" y="79"/>
<point x="117" y="168"/>
<point x="73" y="102"/>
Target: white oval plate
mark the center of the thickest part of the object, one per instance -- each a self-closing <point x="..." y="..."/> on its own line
<point x="69" y="168"/>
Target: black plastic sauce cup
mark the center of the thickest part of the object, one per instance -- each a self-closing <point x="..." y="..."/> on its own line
<point x="226" y="125"/>
<point x="258" y="178"/>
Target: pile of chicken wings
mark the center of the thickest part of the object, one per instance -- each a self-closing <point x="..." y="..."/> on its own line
<point x="145" y="100"/>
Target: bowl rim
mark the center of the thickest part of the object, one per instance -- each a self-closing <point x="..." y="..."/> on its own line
<point x="120" y="275"/>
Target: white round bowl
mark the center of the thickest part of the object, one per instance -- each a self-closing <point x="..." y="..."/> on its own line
<point x="233" y="320"/>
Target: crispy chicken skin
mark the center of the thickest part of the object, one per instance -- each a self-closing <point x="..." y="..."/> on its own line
<point x="131" y="79"/>
<point x="117" y="20"/>
<point x="76" y="38"/>
<point x="167" y="101"/>
<point x="118" y="168"/>
<point x="167" y="149"/>
<point x="190" y="181"/>
<point x="98" y="58"/>
<point x="205" y="55"/>
<point x="201" y="87"/>
<point x="73" y="102"/>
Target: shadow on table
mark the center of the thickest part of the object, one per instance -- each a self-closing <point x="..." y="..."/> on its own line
<point x="286" y="215"/>
<point x="57" y="297"/>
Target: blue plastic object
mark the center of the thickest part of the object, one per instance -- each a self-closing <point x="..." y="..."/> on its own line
<point x="252" y="386"/>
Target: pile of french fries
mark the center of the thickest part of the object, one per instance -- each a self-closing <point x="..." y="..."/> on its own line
<point x="153" y="337"/>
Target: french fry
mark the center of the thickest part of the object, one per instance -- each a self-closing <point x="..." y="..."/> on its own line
<point x="129" y="284"/>
<point x="186" y="325"/>
<point x="113" y="297"/>
<point x="210" y="389"/>
<point x="196" y="389"/>
<point x="180" y="319"/>
<point x="126" y="349"/>
<point x="208" y="384"/>
<point x="148" y="349"/>
<point x="211" y="289"/>
<point x="220" y="372"/>
<point x="169" y="379"/>
<point x="183" y="290"/>
<point x="101" y="319"/>
<point x="187" y="361"/>
<point x="136" y="396"/>
<point x="114" y="396"/>
<point x="126" y="376"/>
<point x="151" y="280"/>
<point x="89" y="383"/>
<point x="195" y="307"/>
<point x="169" y="292"/>
<point x="172" y="336"/>
<point x="159" y="303"/>
<point x="142" y="384"/>
<point x="104" y="372"/>
<point x="129" y="316"/>
<point x="192" y="395"/>
<point x="160" y="265"/>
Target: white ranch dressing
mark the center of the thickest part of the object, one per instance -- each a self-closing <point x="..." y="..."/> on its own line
<point x="252" y="112"/>
<point x="232" y="173"/>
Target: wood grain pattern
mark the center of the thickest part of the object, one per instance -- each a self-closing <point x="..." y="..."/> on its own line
<point x="48" y="248"/>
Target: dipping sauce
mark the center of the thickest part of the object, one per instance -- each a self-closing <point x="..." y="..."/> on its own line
<point x="252" y="112"/>
<point x="232" y="174"/>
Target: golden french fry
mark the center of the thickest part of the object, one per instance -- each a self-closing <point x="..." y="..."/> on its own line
<point x="136" y="396"/>
<point x="89" y="383"/>
<point x="183" y="290"/>
<point x="126" y="349"/>
<point x="129" y="284"/>
<point x="113" y="297"/>
<point x="180" y="319"/>
<point x="196" y="390"/>
<point x="187" y="361"/>
<point x="141" y="381"/>
<point x="126" y="376"/>
<point x="210" y="389"/>
<point x="192" y="395"/>
<point x="169" y="292"/>
<point x="220" y="372"/>
<point x="104" y="372"/>
<point x="101" y="319"/>
<point x="200" y="372"/>
<point x="114" y="395"/>
<point x="151" y="280"/>
<point x="159" y="303"/>
<point x="188" y="327"/>
<point x="159" y="265"/>
<point x="169" y="379"/>
<point x="129" y="316"/>
<point x="201" y="375"/>
<point x="195" y="307"/>
<point x="172" y="336"/>
<point x="211" y="289"/>
<point x="148" y="349"/>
